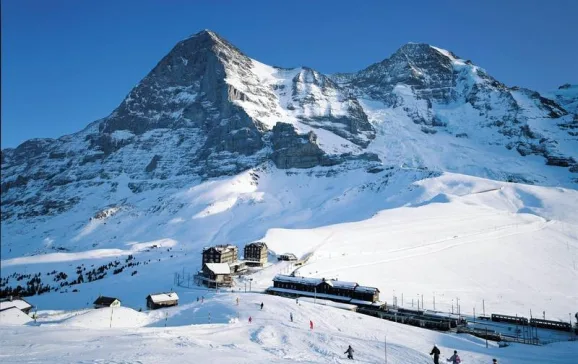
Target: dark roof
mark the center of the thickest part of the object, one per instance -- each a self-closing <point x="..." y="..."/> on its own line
<point x="258" y="244"/>
<point x="220" y="248"/>
<point x="103" y="300"/>
<point x="352" y="286"/>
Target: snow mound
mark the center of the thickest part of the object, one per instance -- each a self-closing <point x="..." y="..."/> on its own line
<point x="13" y="316"/>
<point x="108" y="317"/>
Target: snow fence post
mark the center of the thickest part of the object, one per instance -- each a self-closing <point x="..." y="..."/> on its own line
<point x="385" y="346"/>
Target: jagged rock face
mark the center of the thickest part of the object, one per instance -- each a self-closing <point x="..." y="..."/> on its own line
<point x="426" y="70"/>
<point x="207" y="110"/>
<point x="310" y="90"/>
<point x="187" y="89"/>
<point x="291" y="150"/>
<point x="567" y="97"/>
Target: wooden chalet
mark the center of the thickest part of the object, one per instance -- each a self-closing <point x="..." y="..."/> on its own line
<point x="220" y="254"/>
<point x="104" y="301"/>
<point x="17" y="302"/>
<point x="161" y="300"/>
<point x="331" y="289"/>
<point x="216" y="275"/>
<point x="255" y="254"/>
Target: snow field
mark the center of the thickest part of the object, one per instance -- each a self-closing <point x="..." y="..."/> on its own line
<point x="271" y="337"/>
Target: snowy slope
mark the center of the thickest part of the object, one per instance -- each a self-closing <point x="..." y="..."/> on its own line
<point x="355" y="224"/>
<point x="271" y="337"/>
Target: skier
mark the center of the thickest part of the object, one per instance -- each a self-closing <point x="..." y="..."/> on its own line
<point x="436" y="354"/>
<point x="250" y="319"/>
<point x="237" y="301"/>
<point x="455" y="359"/>
<point x="297" y="300"/>
<point x="311" y="324"/>
<point x="291" y="316"/>
<point x="197" y="298"/>
<point x="202" y="299"/>
<point x="261" y="305"/>
<point x="349" y="352"/>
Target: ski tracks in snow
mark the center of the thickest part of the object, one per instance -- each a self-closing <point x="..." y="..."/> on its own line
<point x="449" y="243"/>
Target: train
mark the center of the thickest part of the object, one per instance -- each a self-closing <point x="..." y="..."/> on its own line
<point x="552" y="325"/>
<point x="523" y="321"/>
<point x="518" y="320"/>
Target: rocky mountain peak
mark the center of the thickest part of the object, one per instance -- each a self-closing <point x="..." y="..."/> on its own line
<point x="418" y="65"/>
<point x="416" y="52"/>
<point x="176" y="92"/>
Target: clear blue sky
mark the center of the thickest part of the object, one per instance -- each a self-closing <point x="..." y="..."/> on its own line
<point x="67" y="63"/>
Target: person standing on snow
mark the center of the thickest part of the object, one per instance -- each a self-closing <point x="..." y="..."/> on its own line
<point x="311" y="324"/>
<point x="291" y="316"/>
<point x="349" y="352"/>
<point x="250" y="319"/>
<point x="455" y="359"/>
<point x="436" y="354"/>
<point x="261" y="305"/>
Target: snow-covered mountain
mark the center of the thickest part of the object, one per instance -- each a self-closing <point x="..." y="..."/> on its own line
<point x="215" y="147"/>
<point x="207" y="110"/>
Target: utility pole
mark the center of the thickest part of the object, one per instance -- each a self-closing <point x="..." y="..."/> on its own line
<point x="458" y="306"/>
<point x="422" y="307"/>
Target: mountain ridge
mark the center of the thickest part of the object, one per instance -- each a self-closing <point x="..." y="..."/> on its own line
<point x="207" y="110"/>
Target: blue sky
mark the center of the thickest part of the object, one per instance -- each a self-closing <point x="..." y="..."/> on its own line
<point x="67" y="63"/>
